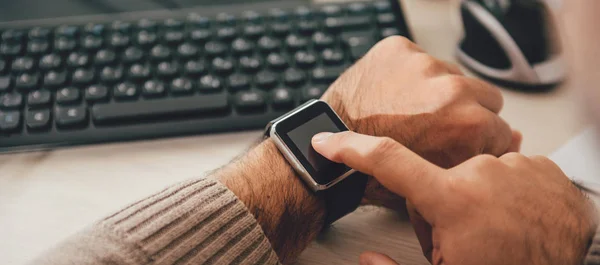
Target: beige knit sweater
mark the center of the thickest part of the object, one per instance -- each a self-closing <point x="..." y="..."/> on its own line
<point x="195" y="222"/>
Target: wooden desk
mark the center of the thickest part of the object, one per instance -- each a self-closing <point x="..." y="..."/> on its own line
<point x="46" y="196"/>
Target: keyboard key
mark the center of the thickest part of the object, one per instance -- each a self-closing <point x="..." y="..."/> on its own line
<point x="78" y="59"/>
<point x="39" y="33"/>
<point x="254" y="31"/>
<point x="281" y="28"/>
<point x="226" y="33"/>
<point x="266" y="80"/>
<point x="242" y="46"/>
<point x="13" y="35"/>
<point x="195" y="68"/>
<point x="326" y="75"/>
<point x="358" y="8"/>
<point x="10" y="50"/>
<point x="94" y="29"/>
<point x="132" y="55"/>
<point x="96" y="93"/>
<point x="331" y="10"/>
<point x="67" y="95"/>
<point x="200" y="35"/>
<point x="67" y="117"/>
<point x="50" y="61"/>
<point x="121" y="27"/>
<point x="55" y="79"/>
<point x="277" y="14"/>
<point x="359" y="43"/>
<point x="226" y="19"/>
<point x="210" y="83"/>
<point x="118" y="41"/>
<point x="249" y="101"/>
<point x="305" y="59"/>
<point x="146" y="39"/>
<point x="173" y="24"/>
<point x="63" y="44"/>
<point x="83" y="76"/>
<point x="268" y="44"/>
<point x="38" y="119"/>
<point x="252" y="17"/>
<point x="250" y="64"/>
<point x="105" y="57"/>
<point x="308" y="27"/>
<point x="386" y="19"/>
<point x="125" y="91"/>
<point x="294" y="77"/>
<point x="66" y="31"/>
<point x="222" y="66"/>
<point x="167" y="69"/>
<point x="388" y="32"/>
<point x="187" y="50"/>
<point x="169" y="107"/>
<point x="182" y="86"/>
<point x="198" y="21"/>
<point x="312" y="92"/>
<point x="173" y="37"/>
<point x="146" y="25"/>
<point x="5" y="83"/>
<point x="11" y="101"/>
<point x="303" y="12"/>
<point x="153" y="89"/>
<point x="332" y="56"/>
<point x="139" y="71"/>
<point x="277" y="61"/>
<point x="23" y="64"/>
<point x="39" y="98"/>
<point x="282" y="98"/>
<point x="347" y="23"/>
<point x="295" y="42"/>
<point x="382" y="6"/>
<point x="3" y="65"/>
<point x="323" y="40"/>
<point x="27" y="81"/>
<point x="10" y="120"/>
<point x="215" y="48"/>
<point x="38" y="47"/>
<point x="111" y="74"/>
<point x="238" y="82"/>
<point x="91" y="43"/>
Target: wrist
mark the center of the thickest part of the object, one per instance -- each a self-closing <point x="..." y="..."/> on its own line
<point x="289" y="213"/>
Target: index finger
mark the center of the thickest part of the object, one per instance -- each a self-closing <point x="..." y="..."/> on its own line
<point x="393" y="165"/>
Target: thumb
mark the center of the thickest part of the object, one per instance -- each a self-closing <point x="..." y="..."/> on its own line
<point x="393" y="165"/>
<point x="374" y="258"/>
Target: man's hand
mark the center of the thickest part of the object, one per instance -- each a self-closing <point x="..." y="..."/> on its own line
<point x="488" y="210"/>
<point x="397" y="90"/>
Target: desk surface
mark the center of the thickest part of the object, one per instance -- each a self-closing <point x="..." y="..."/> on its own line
<point x="46" y="196"/>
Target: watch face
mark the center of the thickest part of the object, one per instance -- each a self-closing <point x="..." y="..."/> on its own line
<point x="297" y="131"/>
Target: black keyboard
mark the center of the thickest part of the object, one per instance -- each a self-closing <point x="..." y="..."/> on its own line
<point x="83" y="80"/>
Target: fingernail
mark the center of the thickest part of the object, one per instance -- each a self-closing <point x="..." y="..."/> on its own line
<point x="321" y="137"/>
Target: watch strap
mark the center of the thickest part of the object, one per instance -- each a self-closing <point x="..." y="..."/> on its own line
<point x="344" y="197"/>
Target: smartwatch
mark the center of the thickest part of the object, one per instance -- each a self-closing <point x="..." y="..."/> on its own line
<point x="341" y="186"/>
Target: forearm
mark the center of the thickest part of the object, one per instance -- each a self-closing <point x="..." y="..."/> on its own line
<point x="289" y="213"/>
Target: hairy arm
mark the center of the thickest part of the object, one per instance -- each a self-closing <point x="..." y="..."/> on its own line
<point x="289" y="213"/>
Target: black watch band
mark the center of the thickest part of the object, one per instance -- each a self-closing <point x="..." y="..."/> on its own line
<point x="344" y="197"/>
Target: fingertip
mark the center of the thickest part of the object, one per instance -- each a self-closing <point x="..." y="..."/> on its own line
<point x="517" y="139"/>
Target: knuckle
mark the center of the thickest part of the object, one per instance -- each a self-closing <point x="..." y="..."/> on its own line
<point x="477" y="120"/>
<point x="514" y="158"/>
<point x="455" y="87"/>
<point x="428" y="64"/>
<point x="397" y="43"/>
<point x="384" y="145"/>
<point x="484" y="162"/>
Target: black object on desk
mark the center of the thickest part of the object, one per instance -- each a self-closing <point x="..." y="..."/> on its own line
<point x="83" y="72"/>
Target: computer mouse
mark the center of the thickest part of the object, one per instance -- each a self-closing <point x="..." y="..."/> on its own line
<point x="511" y="43"/>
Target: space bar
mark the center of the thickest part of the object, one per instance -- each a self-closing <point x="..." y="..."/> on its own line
<point x="148" y="109"/>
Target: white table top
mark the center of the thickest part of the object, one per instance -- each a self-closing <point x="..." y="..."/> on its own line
<point x="46" y="196"/>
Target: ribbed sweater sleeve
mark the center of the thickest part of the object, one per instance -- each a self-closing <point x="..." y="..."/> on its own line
<point x="194" y="222"/>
